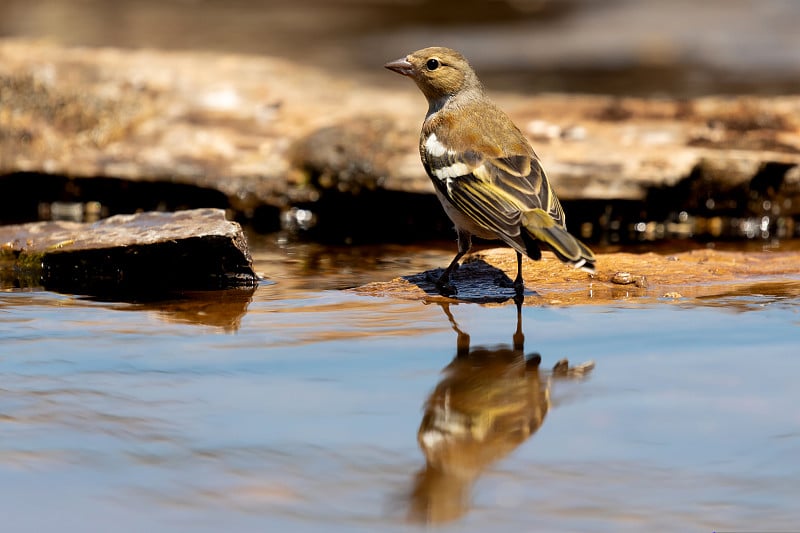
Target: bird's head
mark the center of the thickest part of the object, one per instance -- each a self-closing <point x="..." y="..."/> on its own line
<point x="439" y="73"/>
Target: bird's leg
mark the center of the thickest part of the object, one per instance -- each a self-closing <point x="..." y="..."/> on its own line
<point x="443" y="282"/>
<point x="519" y="284"/>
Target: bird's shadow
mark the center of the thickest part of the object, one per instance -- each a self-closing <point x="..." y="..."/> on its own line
<point x="476" y="280"/>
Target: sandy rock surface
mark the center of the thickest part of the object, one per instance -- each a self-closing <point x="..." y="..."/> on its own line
<point x="267" y="131"/>
<point x="689" y="276"/>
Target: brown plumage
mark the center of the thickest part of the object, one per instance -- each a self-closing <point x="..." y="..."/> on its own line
<point x="486" y="174"/>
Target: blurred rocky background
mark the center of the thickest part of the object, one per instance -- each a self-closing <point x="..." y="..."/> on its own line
<point x="654" y="119"/>
<point x="626" y="47"/>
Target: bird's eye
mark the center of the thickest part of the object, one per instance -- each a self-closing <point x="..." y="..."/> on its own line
<point x="432" y="64"/>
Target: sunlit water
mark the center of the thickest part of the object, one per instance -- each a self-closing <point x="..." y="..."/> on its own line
<point x="295" y="407"/>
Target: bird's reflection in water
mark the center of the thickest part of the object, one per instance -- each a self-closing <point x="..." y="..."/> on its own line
<point x="488" y="402"/>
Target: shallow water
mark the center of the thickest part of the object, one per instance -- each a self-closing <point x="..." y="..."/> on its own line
<point x="298" y="406"/>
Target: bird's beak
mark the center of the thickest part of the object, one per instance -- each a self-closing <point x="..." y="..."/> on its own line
<point x="401" y="66"/>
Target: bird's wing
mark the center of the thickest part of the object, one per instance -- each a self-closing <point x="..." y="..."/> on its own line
<point x="494" y="191"/>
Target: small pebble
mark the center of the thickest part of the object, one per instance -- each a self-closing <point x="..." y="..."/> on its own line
<point x="626" y="278"/>
<point x="622" y="278"/>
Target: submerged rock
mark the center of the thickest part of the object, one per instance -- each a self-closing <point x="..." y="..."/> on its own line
<point x="145" y="253"/>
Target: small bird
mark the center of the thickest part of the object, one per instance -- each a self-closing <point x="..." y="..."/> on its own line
<point x="485" y="172"/>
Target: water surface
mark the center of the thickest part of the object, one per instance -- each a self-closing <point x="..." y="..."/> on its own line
<point x="297" y="406"/>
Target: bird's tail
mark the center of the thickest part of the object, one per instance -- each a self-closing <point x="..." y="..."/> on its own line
<point x="538" y="225"/>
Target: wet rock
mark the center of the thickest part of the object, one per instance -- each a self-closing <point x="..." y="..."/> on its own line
<point x="145" y="254"/>
<point x="696" y="274"/>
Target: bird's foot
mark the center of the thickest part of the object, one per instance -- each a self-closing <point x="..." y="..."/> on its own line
<point x="518" y="285"/>
<point x="442" y="282"/>
<point x="447" y="289"/>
